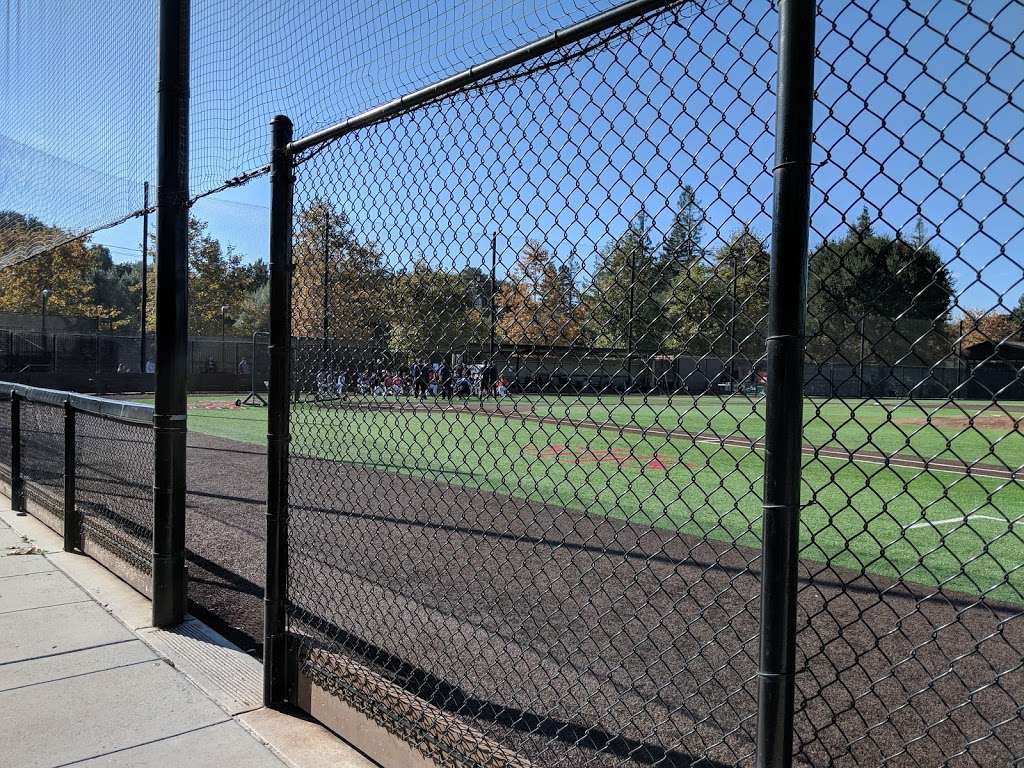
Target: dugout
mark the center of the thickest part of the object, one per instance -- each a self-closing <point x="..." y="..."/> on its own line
<point x="995" y="369"/>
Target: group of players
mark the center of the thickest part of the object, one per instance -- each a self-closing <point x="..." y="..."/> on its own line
<point x="419" y="380"/>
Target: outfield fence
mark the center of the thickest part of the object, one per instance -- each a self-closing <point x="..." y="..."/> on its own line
<point x="84" y="466"/>
<point x="106" y="354"/>
<point x="624" y="574"/>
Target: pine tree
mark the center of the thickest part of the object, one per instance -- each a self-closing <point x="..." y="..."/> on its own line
<point x="683" y="244"/>
<point x="896" y="294"/>
<point x="623" y="307"/>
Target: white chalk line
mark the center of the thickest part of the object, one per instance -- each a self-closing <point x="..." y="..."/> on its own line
<point x="962" y="519"/>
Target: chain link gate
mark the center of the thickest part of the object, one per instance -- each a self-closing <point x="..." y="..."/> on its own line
<point x="537" y="342"/>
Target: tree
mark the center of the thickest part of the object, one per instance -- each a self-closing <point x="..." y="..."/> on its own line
<point x="536" y="302"/>
<point x="68" y="271"/>
<point x="358" y="300"/>
<point x="1018" y="313"/>
<point x="899" y="293"/>
<point x="979" y="325"/>
<point x="216" y="279"/>
<point x="255" y="274"/>
<point x="622" y="303"/>
<point x="117" y="288"/>
<point x="719" y="307"/>
<point x="254" y="312"/>
<point x="568" y="273"/>
<point x="477" y="286"/>
<point x="433" y="312"/>
<point x="682" y="246"/>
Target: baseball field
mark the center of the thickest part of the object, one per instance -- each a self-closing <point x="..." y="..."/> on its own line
<point x="902" y="489"/>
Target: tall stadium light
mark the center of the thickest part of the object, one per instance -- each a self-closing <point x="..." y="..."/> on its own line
<point x="169" y="417"/>
<point x="145" y="289"/>
<point x="492" y="299"/>
<point x="46" y="347"/>
<point x="327" y="280"/>
<point x="223" y="321"/>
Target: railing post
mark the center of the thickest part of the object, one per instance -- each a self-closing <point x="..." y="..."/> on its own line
<point x="72" y="520"/>
<point x="17" y="483"/>
<point x="785" y="351"/>
<point x="169" y="418"/>
<point x="275" y="638"/>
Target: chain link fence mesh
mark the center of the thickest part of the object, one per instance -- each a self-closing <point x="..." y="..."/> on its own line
<point x="502" y="567"/>
<point x="114" y="487"/>
<point x="42" y="456"/>
<point x="527" y="409"/>
<point x="911" y="591"/>
<point x="113" y="473"/>
<point x="5" y="439"/>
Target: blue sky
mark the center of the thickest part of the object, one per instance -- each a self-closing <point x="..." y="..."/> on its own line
<point x="918" y="110"/>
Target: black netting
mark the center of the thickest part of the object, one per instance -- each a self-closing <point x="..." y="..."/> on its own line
<point x="77" y="141"/>
<point x="114" y="485"/>
<point x="85" y="172"/>
<point x="42" y="455"/>
<point x="5" y="437"/>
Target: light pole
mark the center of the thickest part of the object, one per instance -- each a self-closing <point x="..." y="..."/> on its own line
<point x="327" y="287"/>
<point x="223" y="316"/>
<point x="145" y="249"/>
<point x="46" y="347"/>
<point x="629" y="320"/>
<point x="492" y="299"/>
<point x="732" y="326"/>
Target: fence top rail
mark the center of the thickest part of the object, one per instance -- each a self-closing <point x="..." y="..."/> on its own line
<point x="136" y="413"/>
<point x="558" y="39"/>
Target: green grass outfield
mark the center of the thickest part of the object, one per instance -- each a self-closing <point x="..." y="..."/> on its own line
<point x="964" y="532"/>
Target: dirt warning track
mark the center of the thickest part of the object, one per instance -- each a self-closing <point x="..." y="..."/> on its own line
<point x="529" y="620"/>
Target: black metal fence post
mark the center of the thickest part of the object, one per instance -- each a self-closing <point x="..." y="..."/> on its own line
<point x="275" y="638"/>
<point x="169" y="419"/>
<point x="72" y="521"/>
<point x="785" y="352"/>
<point x="17" y="483"/>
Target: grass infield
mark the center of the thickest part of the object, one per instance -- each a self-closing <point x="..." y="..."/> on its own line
<point x="932" y="527"/>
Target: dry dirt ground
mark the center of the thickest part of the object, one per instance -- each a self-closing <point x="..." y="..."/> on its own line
<point x="580" y="640"/>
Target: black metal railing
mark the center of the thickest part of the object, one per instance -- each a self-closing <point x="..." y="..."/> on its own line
<point x="84" y="466"/>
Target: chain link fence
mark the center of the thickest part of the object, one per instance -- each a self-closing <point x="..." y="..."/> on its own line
<point x="529" y="315"/>
<point x="42" y="456"/>
<point x="114" y="484"/>
<point x="84" y="466"/>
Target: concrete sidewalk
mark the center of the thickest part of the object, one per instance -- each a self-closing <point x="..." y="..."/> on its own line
<point x="85" y="681"/>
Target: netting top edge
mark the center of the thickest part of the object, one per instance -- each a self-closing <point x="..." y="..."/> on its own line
<point x="634" y="11"/>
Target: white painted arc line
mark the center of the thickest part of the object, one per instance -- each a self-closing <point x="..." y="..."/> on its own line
<point x="934" y="523"/>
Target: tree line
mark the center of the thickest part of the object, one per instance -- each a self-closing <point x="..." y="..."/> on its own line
<point x="873" y="295"/>
<point x="84" y="281"/>
<point x="877" y="296"/>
